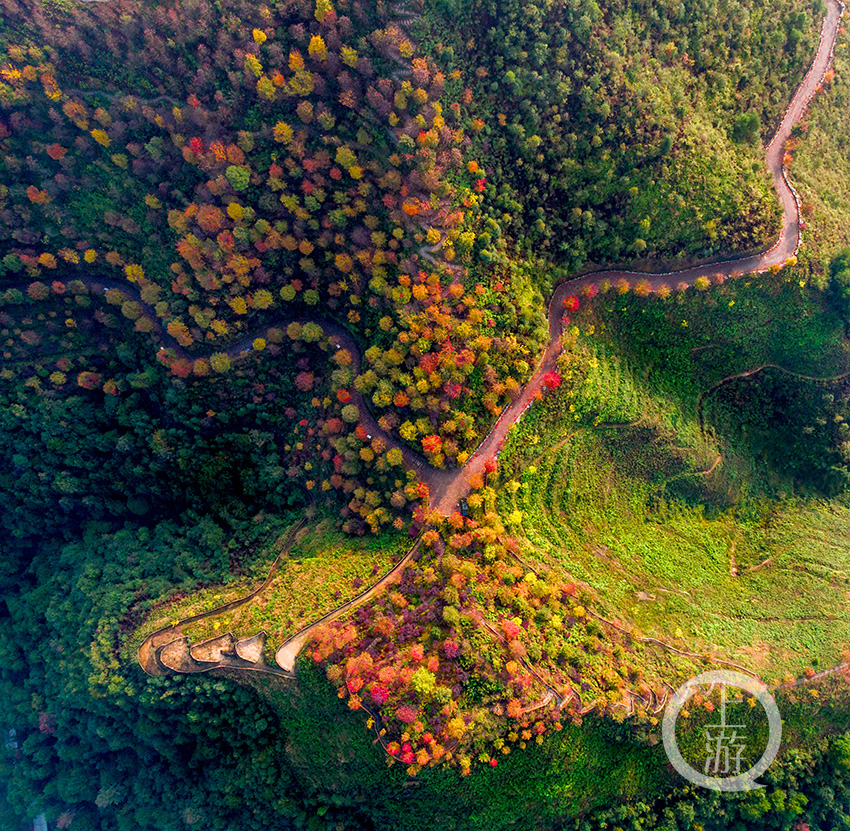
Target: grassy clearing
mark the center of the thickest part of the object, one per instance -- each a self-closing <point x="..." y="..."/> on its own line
<point x="628" y="510"/>
<point x="788" y="434"/>
<point x="323" y="569"/>
<point x="683" y="345"/>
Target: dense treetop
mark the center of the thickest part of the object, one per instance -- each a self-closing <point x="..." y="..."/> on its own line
<point x="235" y="239"/>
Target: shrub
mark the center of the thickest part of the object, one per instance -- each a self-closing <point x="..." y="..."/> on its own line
<point x="350" y="413"/>
<point x="239" y="177"/>
<point x="407" y="713"/>
<point x="219" y="362"/>
<point x="451" y="616"/>
<point x="423" y="682"/>
<point x="643" y="288"/>
<point x="38" y="291"/>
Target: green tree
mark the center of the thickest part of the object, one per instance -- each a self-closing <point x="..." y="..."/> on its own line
<point x="746" y="128"/>
<point x="239" y="177"/>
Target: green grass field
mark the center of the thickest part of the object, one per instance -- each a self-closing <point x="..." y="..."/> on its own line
<point x="620" y="490"/>
<point x="656" y="561"/>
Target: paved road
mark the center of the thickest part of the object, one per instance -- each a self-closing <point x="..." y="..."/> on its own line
<point x="446" y="487"/>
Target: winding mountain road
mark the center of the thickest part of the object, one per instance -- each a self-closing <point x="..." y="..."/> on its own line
<point x="445" y="495"/>
<point x="446" y="487"/>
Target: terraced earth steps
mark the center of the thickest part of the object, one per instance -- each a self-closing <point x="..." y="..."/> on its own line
<point x="215" y="649"/>
<point x="177" y="657"/>
<point x="251" y="649"/>
<point x="150" y="656"/>
<point x="148" y="652"/>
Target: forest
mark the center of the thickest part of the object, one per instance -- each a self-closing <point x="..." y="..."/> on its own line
<point x="270" y="277"/>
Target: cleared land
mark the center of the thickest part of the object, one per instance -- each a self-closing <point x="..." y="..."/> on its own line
<point x="675" y="538"/>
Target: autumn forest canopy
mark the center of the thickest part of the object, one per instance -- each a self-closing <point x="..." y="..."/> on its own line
<point x="273" y="278"/>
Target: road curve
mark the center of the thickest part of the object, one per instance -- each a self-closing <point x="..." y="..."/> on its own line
<point x="446" y="487"/>
<point x="288" y="651"/>
<point x="785" y="247"/>
<point x="789" y="238"/>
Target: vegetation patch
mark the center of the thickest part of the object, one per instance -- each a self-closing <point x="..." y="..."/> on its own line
<point x="820" y="169"/>
<point x="323" y="569"/>
<point x="618" y="489"/>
